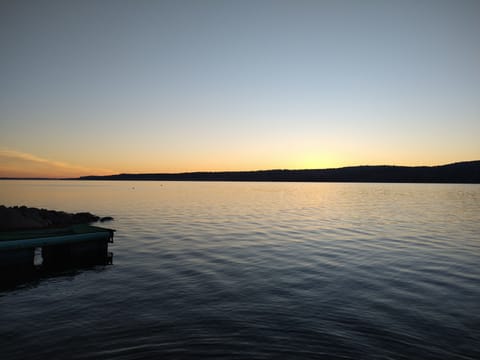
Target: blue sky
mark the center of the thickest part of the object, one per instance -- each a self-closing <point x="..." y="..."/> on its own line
<point x="161" y="86"/>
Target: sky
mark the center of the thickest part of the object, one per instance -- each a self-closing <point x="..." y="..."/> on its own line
<point x="105" y="87"/>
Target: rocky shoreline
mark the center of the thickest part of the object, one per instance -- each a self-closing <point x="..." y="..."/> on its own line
<point x="25" y="218"/>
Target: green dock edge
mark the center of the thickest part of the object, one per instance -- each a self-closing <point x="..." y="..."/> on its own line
<point x="37" y="238"/>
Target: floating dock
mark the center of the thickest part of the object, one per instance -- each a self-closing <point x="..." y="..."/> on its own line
<point x="29" y="250"/>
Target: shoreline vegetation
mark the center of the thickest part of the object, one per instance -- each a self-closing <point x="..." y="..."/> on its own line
<point x="462" y="172"/>
<point x="30" y="218"/>
<point x="467" y="172"/>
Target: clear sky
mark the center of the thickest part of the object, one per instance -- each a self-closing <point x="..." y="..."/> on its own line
<point x="98" y="87"/>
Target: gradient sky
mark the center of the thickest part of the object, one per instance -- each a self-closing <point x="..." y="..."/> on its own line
<point x="98" y="87"/>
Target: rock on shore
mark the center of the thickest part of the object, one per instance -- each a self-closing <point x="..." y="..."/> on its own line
<point x="22" y="218"/>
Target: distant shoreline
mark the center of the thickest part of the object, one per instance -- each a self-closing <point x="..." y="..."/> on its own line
<point x="35" y="178"/>
<point x="467" y="172"/>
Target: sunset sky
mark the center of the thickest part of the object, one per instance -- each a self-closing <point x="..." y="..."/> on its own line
<point x="101" y="87"/>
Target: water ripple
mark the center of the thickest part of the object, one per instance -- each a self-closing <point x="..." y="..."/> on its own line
<point x="262" y="271"/>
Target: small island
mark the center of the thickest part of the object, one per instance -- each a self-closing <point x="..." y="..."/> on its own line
<point x="28" y="218"/>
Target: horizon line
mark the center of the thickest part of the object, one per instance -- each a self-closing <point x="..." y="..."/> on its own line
<point x="81" y="177"/>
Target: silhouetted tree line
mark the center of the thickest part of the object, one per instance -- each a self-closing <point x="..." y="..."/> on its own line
<point x="462" y="172"/>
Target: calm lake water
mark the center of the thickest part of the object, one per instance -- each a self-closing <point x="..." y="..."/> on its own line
<point x="257" y="271"/>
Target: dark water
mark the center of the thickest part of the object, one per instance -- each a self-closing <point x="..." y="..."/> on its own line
<point x="257" y="271"/>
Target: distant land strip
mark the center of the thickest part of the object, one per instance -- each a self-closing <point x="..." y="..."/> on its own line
<point x="467" y="172"/>
<point x="461" y="172"/>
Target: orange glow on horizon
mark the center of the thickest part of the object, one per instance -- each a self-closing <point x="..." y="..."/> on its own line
<point x="24" y="165"/>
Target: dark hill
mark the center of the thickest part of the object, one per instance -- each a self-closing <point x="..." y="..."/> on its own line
<point x="462" y="172"/>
